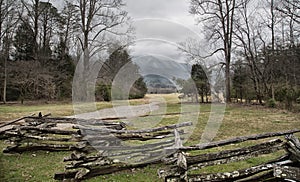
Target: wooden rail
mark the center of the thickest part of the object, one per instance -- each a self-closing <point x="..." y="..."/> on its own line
<point x="108" y="142"/>
<point x="180" y="166"/>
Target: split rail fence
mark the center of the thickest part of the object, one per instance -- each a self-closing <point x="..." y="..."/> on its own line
<point x="100" y="147"/>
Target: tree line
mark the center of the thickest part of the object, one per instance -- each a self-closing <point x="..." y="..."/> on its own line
<point x="257" y="43"/>
<point x="40" y="44"/>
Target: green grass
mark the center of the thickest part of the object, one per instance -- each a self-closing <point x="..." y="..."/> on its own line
<point x="238" y="121"/>
<point x="30" y="166"/>
<point x="222" y="168"/>
<point x="147" y="174"/>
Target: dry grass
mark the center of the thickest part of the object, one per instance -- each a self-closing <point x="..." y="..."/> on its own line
<point x="16" y="110"/>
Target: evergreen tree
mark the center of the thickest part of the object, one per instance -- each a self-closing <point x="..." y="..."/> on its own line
<point x="64" y="70"/>
<point x="24" y="42"/>
<point x="117" y="59"/>
<point x="201" y="81"/>
<point x="239" y="80"/>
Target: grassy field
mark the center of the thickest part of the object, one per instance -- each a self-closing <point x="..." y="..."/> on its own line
<point x="238" y="120"/>
<point x="16" y="110"/>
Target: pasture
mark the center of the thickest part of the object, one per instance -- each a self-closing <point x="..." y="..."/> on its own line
<point x="238" y="120"/>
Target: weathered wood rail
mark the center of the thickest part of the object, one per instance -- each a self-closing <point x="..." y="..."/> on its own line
<point x="50" y="133"/>
<point x="98" y="146"/>
<point x="106" y="146"/>
<point x="123" y="155"/>
<point x="182" y="167"/>
<point x="45" y="133"/>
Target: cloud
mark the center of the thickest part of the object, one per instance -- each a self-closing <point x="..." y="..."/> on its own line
<point x="164" y="23"/>
<point x="163" y="29"/>
<point x="161" y="37"/>
<point x="155" y="47"/>
<point x="176" y="10"/>
<point x="160" y="26"/>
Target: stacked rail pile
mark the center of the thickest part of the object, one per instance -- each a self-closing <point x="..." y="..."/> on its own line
<point x="50" y="134"/>
<point x="118" y="150"/>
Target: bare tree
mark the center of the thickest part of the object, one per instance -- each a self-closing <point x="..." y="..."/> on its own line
<point x="290" y="12"/>
<point x="290" y="8"/>
<point x="97" y="18"/>
<point x="271" y="18"/>
<point x="70" y="24"/>
<point x="272" y="28"/>
<point x="49" y="19"/>
<point x="32" y="80"/>
<point x="8" y="21"/>
<point x="218" y="18"/>
<point x="33" y="11"/>
<point x="43" y="18"/>
<point x="247" y="35"/>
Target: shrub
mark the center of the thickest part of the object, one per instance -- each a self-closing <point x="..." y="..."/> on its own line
<point x="103" y="92"/>
<point x="138" y="90"/>
<point x="280" y="94"/>
<point x="298" y="100"/>
<point x="271" y="103"/>
<point x="290" y="97"/>
<point x="118" y="93"/>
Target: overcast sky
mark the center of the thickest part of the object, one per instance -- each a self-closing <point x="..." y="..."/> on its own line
<point x="176" y="10"/>
<point x="160" y="25"/>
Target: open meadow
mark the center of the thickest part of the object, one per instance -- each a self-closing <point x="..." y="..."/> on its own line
<point x="239" y="120"/>
<point x="146" y="91"/>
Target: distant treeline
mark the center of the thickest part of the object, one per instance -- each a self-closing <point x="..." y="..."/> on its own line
<point x="256" y="43"/>
<point x="269" y="73"/>
<point x="271" y="76"/>
<point x="40" y="45"/>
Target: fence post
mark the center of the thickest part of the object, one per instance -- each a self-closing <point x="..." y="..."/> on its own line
<point x="182" y="166"/>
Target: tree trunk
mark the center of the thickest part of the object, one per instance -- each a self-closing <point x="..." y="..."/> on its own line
<point x="6" y="57"/>
<point x="5" y="81"/>
<point x="227" y="81"/>
<point x="229" y="33"/>
<point x="86" y="56"/>
<point x="5" y="73"/>
<point x="36" y="28"/>
<point x="273" y="90"/>
<point x="242" y="97"/>
<point x="273" y="46"/>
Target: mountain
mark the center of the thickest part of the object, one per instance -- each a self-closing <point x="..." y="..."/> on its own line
<point x="159" y="84"/>
<point x="158" y="81"/>
<point x="164" y="67"/>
